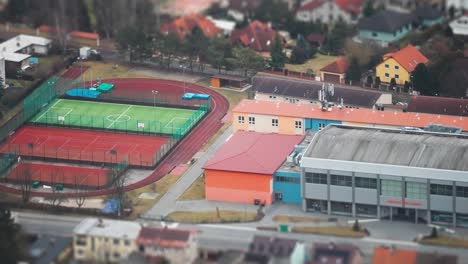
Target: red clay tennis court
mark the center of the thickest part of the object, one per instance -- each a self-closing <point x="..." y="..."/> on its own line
<point x="61" y="174"/>
<point x="74" y="72"/>
<point x="81" y="145"/>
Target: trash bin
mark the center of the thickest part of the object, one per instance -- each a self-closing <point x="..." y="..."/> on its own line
<point x="36" y="184"/>
<point x="59" y="187"/>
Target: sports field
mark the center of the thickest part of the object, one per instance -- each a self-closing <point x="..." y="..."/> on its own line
<point x="114" y="116"/>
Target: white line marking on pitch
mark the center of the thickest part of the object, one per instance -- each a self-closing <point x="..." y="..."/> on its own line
<point x="39" y="118"/>
<point x="113" y="122"/>
<point x="172" y="122"/>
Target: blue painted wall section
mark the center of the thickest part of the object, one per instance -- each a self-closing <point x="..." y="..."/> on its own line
<point x="291" y="188"/>
<point x="316" y="124"/>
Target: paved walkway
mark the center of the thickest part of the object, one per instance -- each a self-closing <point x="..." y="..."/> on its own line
<point x="168" y="202"/>
<point x="204" y="205"/>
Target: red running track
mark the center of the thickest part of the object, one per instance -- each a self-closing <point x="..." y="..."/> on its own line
<point x="188" y="147"/>
<point x="81" y="145"/>
<point x="61" y="174"/>
<point x="74" y="72"/>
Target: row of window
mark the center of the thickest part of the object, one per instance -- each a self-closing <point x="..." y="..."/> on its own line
<point x="396" y="67"/>
<point x="397" y="76"/>
<point x="274" y="121"/>
<point x="287" y="179"/>
<point x="414" y="190"/>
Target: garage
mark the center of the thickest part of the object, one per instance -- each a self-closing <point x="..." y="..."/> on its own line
<point x="335" y="72"/>
<point x="332" y="78"/>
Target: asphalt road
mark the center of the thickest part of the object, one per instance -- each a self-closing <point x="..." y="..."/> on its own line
<point x="222" y="237"/>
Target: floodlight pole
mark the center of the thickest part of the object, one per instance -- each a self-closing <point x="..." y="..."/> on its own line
<point x="183" y="74"/>
<point x="154" y="92"/>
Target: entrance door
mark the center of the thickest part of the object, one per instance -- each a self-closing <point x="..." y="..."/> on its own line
<point x="278" y="196"/>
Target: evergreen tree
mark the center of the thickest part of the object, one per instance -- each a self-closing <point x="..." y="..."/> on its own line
<point x="368" y="9"/>
<point x="278" y="58"/>
<point x="422" y="80"/>
<point x="354" y="71"/>
<point x="11" y="249"/>
<point x="302" y="51"/>
<point x="335" y="40"/>
<point x="15" y="10"/>
<point x="246" y="59"/>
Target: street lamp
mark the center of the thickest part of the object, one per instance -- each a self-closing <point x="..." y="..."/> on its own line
<point x="183" y="74"/>
<point x="154" y="93"/>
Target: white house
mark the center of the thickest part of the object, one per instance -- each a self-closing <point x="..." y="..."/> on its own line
<point x="460" y="26"/>
<point x="329" y="11"/>
<point x="457" y="4"/>
<point x="104" y="240"/>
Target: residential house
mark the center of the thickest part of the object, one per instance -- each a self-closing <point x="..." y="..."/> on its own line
<point x="390" y="255"/>
<point x="438" y="105"/>
<point x="18" y="50"/>
<point x="276" y="250"/>
<point x="226" y="26"/>
<point x="407" y="6"/>
<point x="315" y="39"/>
<point x="331" y="253"/>
<point x="241" y="9"/>
<point x="81" y="36"/>
<point x="457" y="4"/>
<point x="257" y="35"/>
<point x="399" y="65"/>
<point x="174" y="245"/>
<point x="427" y="16"/>
<point x="272" y="88"/>
<point x="459" y="26"/>
<point x="384" y="27"/>
<point x="104" y="240"/>
<point x="329" y="11"/>
<point x="335" y="72"/>
<point x="184" y="25"/>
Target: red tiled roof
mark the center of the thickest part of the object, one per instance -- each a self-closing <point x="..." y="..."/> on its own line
<point x="46" y="28"/>
<point x="163" y="237"/>
<point x="350" y="6"/>
<point x="309" y="6"/>
<point x="408" y="57"/>
<point x="184" y="25"/>
<point x="389" y="256"/>
<point x="438" y="105"/>
<point x="339" y="66"/>
<point x="257" y="35"/>
<point x="253" y="152"/>
<point x="85" y="35"/>
<point x="361" y="116"/>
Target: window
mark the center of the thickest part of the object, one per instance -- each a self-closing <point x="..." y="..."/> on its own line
<point x="390" y="188"/>
<point x="321" y="126"/>
<point x="397" y="76"/>
<point x="318" y="178"/>
<point x="240" y="119"/>
<point x="274" y="122"/>
<point x="441" y="189"/>
<point x="341" y="207"/>
<point x="416" y="190"/>
<point x="374" y="34"/>
<point x="272" y="97"/>
<point x="251" y="120"/>
<point x="397" y="67"/>
<point x="387" y="75"/>
<point x="116" y="255"/>
<point x="287" y="179"/>
<point x="116" y="241"/>
<point x="298" y="124"/>
<point x="387" y="66"/>
<point x="365" y="209"/>
<point x="462" y="191"/>
<point x="340" y="180"/>
<point x="127" y="242"/>
<point x="368" y="183"/>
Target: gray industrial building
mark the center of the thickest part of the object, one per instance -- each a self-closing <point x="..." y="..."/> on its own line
<point x="387" y="173"/>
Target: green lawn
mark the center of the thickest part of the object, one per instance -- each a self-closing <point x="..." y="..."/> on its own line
<point x="115" y="116"/>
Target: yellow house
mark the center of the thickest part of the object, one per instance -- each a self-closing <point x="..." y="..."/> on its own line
<point x="399" y="65"/>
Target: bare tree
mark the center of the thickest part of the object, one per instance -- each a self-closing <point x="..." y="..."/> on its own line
<point x="25" y="181"/>
<point x="80" y="197"/>
<point x="119" y="180"/>
<point x="56" y="198"/>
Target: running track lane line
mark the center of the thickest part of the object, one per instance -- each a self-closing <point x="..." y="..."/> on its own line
<point x="113" y="122"/>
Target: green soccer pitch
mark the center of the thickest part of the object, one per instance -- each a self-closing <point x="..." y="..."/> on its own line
<point x="63" y="112"/>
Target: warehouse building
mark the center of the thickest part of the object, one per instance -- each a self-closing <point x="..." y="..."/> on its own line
<point x="242" y="169"/>
<point x="387" y="173"/>
<point x="296" y="119"/>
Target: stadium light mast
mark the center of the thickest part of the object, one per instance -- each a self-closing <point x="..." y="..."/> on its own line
<point x="183" y="74"/>
<point x="154" y="93"/>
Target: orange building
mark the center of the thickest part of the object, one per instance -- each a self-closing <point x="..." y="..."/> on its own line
<point x="242" y="169"/>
